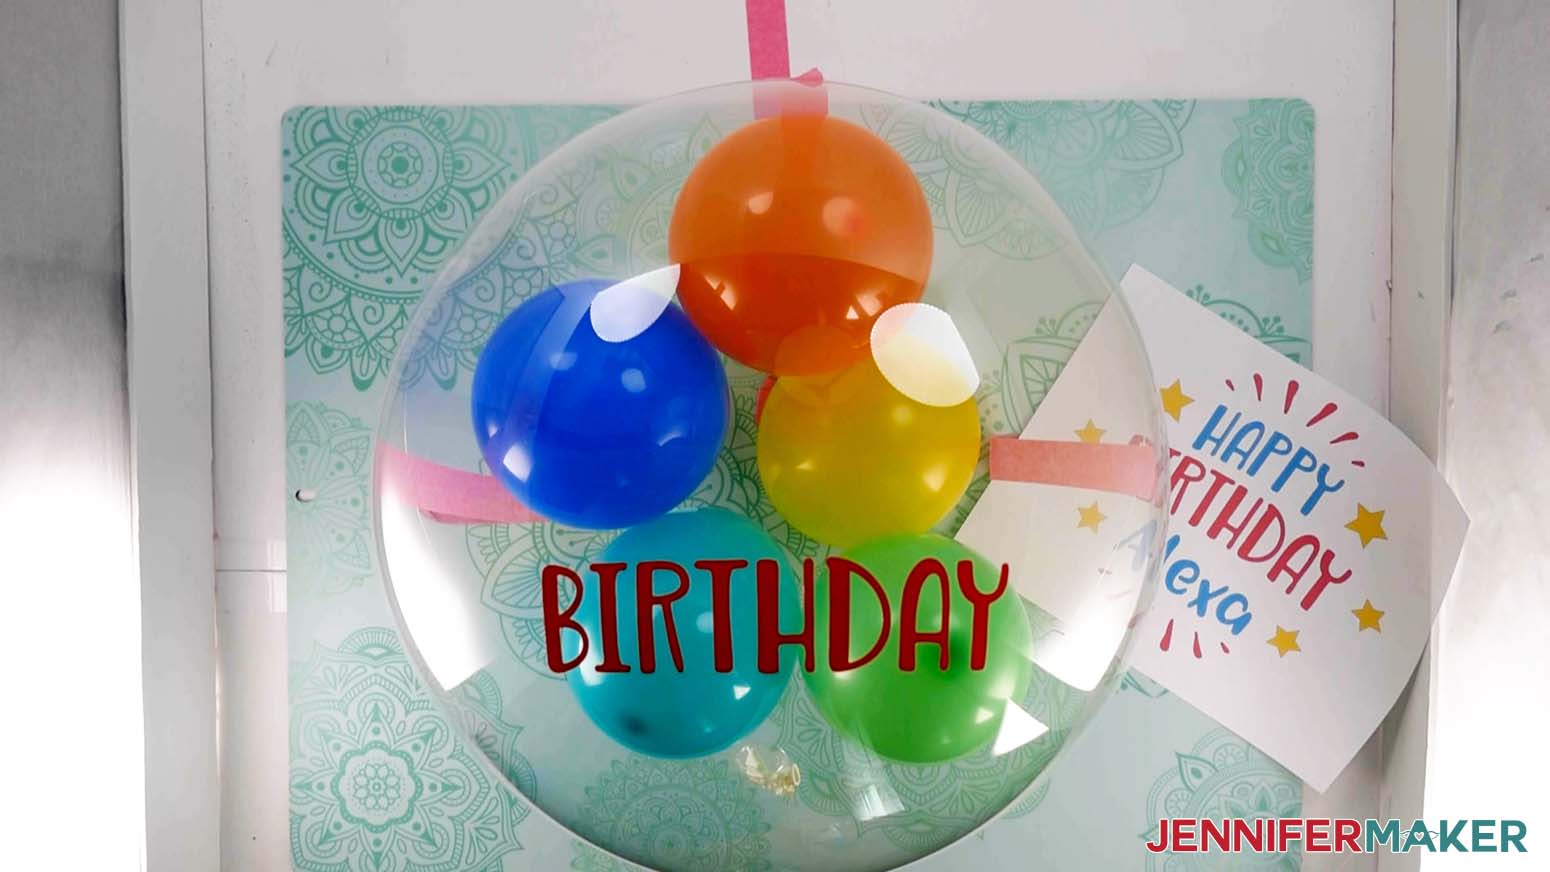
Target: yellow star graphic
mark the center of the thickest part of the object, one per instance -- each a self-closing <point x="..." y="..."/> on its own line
<point x="1091" y="433"/>
<point x="1091" y="517"/>
<point x="1367" y="524"/>
<point x="1174" y="399"/>
<point x="1367" y="617"/>
<point x="1284" y="641"/>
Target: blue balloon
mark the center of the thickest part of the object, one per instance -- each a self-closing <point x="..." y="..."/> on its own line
<point x="667" y="713"/>
<point x="596" y="433"/>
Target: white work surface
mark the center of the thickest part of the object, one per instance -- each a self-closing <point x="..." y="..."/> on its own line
<point x="262" y="58"/>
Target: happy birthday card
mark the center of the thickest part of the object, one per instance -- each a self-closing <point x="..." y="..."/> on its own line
<point x="1308" y="541"/>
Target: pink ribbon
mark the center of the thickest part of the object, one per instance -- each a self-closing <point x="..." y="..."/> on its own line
<point x="769" y="55"/>
<point x="1123" y="469"/>
<point x="769" y="64"/>
<point x="446" y="494"/>
<point x="457" y="496"/>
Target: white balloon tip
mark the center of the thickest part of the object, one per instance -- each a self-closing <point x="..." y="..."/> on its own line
<point x="622" y="311"/>
<point x="919" y="350"/>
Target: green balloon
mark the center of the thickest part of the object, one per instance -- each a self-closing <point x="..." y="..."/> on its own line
<point x="927" y="715"/>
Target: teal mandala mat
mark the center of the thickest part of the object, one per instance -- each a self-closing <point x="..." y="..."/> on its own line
<point x="1216" y="197"/>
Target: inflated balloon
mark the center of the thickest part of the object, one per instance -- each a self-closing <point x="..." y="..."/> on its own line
<point x="926" y="714"/>
<point x="597" y="433"/>
<point x="847" y="457"/>
<point x="696" y="711"/>
<point x="901" y="282"/>
<point x="794" y="233"/>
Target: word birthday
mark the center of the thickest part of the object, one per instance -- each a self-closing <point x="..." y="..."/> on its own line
<point x="653" y="605"/>
<point x="1216" y="501"/>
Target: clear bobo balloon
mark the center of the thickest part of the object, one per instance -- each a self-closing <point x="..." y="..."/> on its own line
<point x="675" y="455"/>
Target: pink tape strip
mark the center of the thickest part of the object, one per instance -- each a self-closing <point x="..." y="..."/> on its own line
<point x="456" y="496"/>
<point x="448" y="495"/>
<point x="769" y="62"/>
<point x="769" y="56"/>
<point x="1122" y="469"/>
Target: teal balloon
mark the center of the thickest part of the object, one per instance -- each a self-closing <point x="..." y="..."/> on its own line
<point x="699" y="711"/>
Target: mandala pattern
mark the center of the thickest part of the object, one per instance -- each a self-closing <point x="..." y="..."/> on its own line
<point x="511" y="559"/>
<point x="376" y="198"/>
<point x="328" y="534"/>
<point x="678" y="816"/>
<point x="481" y="715"/>
<point x="1269" y="330"/>
<point x="1029" y="367"/>
<point x="1102" y="162"/>
<point x="1223" y="777"/>
<point x="1269" y="168"/>
<point x="587" y="858"/>
<point x="1029" y="803"/>
<point x="604" y="214"/>
<point x="377" y="782"/>
<point x="965" y="189"/>
<point x="625" y="209"/>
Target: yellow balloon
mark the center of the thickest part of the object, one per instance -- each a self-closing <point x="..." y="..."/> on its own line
<point x="846" y="457"/>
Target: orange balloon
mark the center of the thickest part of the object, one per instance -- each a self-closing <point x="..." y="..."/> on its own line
<point x="793" y="234"/>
